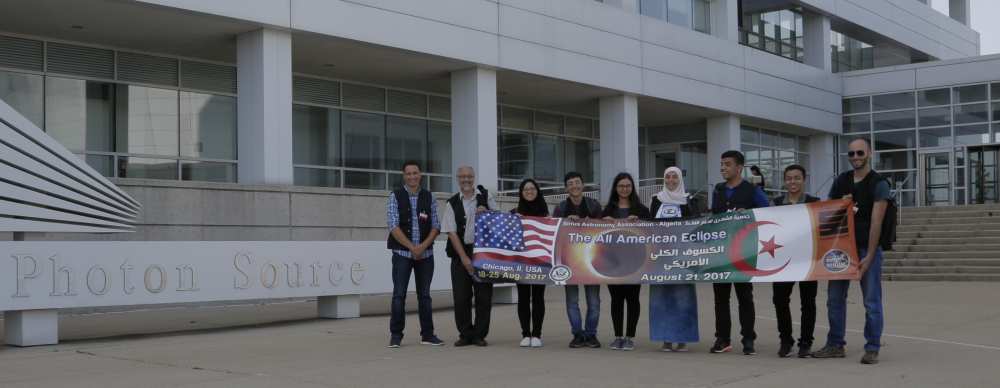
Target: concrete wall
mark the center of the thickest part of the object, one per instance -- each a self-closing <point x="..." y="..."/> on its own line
<point x="198" y="211"/>
<point x="588" y="42"/>
<point x="923" y="75"/>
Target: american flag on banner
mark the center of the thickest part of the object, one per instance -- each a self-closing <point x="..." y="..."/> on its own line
<point x="512" y="238"/>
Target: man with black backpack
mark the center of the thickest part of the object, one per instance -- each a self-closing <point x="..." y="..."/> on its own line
<point x="871" y="195"/>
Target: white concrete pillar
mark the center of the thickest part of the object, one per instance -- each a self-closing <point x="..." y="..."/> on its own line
<point x="339" y="306"/>
<point x="619" y="139"/>
<point x="821" y="164"/>
<point x="264" y="104"/>
<point x="31" y="327"/>
<point x="725" y="18"/>
<point x="960" y="10"/>
<point x="723" y="134"/>
<point x="504" y="294"/>
<point x="817" y="41"/>
<point x="474" y="124"/>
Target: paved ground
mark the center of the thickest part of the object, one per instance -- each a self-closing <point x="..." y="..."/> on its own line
<point x="937" y="335"/>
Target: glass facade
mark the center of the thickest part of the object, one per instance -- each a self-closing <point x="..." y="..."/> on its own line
<point x="771" y="152"/>
<point x="777" y="32"/>
<point x="693" y="14"/>
<point x="361" y="141"/>
<point x="849" y="54"/>
<point x="544" y="146"/>
<point x="929" y="141"/>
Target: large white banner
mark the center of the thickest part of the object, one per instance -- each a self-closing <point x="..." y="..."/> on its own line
<point x="52" y="275"/>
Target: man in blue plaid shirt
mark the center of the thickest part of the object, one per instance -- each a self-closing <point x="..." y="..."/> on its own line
<point x="412" y="219"/>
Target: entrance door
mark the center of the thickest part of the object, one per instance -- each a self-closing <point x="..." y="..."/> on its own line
<point x="664" y="159"/>
<point x="935" y="178"/>
<point x="984" y="171"/>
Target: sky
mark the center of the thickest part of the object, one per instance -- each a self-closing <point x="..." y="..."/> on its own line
<point x="983" y="20"/>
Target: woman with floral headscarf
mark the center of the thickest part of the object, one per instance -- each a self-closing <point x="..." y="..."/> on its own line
<point x="673" y="308"/>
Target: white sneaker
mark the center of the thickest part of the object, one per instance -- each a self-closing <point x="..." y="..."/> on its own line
<point x="525" y="342"/>
<point x="536" y="342"/>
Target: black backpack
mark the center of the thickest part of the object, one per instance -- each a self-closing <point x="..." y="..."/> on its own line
<point x="891" y="219"/>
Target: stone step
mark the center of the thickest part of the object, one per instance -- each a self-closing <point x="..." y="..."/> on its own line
<point x="940" y="270"/>
<point x="940" y="209"/>
<point x="911" y="212"/>
<point x="995" y="248"/>
<point x="942" y="277"/>
<point x="900" y="241"/>
<point x="944" y="227"/>
<point x="948" y="233"/>
<point x="943" y="255"/>
<point x="941" y="262"/>
<point x="964" y="221"/>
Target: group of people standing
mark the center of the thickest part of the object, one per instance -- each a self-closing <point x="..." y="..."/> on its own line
<point x="673" y="308"/>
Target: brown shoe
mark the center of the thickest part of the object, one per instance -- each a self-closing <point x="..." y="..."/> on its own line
<point x="829" y="352"/>
<point x="870" y="358"/>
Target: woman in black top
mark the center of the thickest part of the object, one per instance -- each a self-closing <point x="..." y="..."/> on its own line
<point x="531" y="297"/>
<point x="624" y="204"/>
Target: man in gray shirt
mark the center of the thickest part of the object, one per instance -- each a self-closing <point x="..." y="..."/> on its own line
<point x="459" y="224"/>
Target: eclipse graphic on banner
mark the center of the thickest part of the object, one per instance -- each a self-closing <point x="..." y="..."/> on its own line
<point x="788" y="243"/>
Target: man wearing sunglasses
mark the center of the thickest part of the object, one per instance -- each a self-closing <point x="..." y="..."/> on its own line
<point x="870" y="193"/>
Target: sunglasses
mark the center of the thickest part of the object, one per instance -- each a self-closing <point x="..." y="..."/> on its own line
<point x="855" y="153"/>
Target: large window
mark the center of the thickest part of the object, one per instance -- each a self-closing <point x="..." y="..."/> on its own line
<point x="849" y="54"/>
<point x="544" y="146"/>
<point x="777" y="32"/>
<point x="693" y="14"/>
<point x="771" y="152"/>
<point x="358" y="136"/>
<point x="128" y="115"/>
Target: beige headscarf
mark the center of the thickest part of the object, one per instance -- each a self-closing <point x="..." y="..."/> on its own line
<point x="675" y="197"/>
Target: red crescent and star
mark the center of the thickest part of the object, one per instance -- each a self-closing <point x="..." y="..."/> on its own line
<point x="740" y="263"/>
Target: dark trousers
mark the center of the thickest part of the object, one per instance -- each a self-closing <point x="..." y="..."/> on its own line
<point x="464" y="288"/>
<point x="782" y="298"/>
<point x="723" y="321"/>
<point x="423" y="270"/>
<point x="531" y="308"/>
<point x="620" y="295"/>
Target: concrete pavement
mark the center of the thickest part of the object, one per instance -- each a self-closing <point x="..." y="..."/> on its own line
<point x="937" y="334"/>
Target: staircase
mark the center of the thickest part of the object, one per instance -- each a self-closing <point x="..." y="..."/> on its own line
<point x="959" y="243"/>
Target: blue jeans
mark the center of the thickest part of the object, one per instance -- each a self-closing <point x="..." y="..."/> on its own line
<point x="593" y="294"/>
<point x="871" y="291"/>
<point x="423" y="271"/>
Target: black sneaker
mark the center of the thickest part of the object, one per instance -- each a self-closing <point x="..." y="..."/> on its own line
<point x="432" y="340"/>
<point x="721" y="346"/>
<point x="870" y="358"/>
<point x="829" y="351"/>
<point x="805" y="351"/>
<point x="748" y="348"/>
<point x="481" y="342"/>
<point x="463" y="342"/>
<point x="394" y="342"/>
<point x="785" y="350"/>
<point x="578" y="342"/>
<point x="592" y="342"/>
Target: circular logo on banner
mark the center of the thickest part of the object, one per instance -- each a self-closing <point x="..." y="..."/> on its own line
<point x="836" y="260"/>
<point x="560" y="274"/>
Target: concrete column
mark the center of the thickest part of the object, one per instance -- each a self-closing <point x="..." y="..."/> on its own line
<point x="817" y="41"/>
<point x="725" y="18"/>
<point x="339" y="306"/>
<point x="264" y="104"/>
<point x="619" y="139"/>
<point x="504" y="294"/>
<point x="821" y="164"/>
<point x="474" y="124"/>
<point x="960" y="10"/>
<point x="723" y="134"/>
<point x="31" y="327"/>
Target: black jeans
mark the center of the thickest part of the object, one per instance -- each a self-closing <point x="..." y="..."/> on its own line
<point x="464" y="288"/>
<point x="723" y="321"/>
<point x="620" y="295"/>
<point x="782" y="298"/>
<point x="531" y="308"/>
<point x="423" y="270"/>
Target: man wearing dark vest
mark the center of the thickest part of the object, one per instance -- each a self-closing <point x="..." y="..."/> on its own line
<point x="413" y="224"/>
<point x="459" y="222"/>
<point x="731" y="195"/>
<point x="870" y="193"/>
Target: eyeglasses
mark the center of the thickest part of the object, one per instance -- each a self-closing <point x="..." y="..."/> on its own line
<point x="855" y="153"/>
